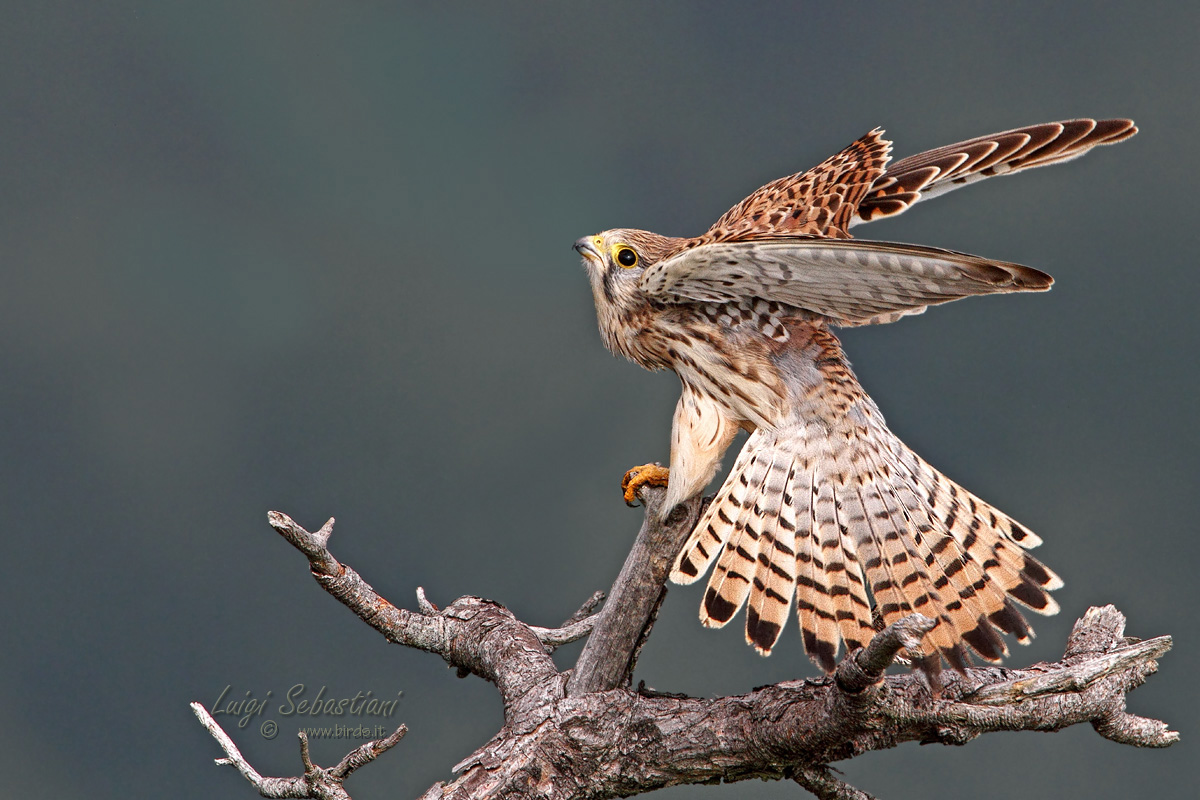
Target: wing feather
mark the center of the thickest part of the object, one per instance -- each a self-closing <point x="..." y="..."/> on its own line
<point x="846" y="281"/>
<point x="820" y="202"/>
<point x="938" y="171"/>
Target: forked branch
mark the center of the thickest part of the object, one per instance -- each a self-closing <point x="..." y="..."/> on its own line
<point x="585" y="733"/>
<point x="317" y="782"/>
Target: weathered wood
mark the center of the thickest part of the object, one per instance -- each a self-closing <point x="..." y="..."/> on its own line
<point x="618" y="743"/>
<point x="319" y="782"/>
<point x="639" y="588"/>
<point x="865" y="667"/>
<point x="595" y="744"/>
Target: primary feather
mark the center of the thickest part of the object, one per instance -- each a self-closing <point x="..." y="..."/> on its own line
<point x="844" y="280"/>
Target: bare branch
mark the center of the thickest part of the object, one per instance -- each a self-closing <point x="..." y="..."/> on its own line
<point x="822" y="782"/>
<point x="313" y="545"/>
<point x="586" y="734"/>
<point x="475" y="635"/>
<point x="367" y="753"/>
<point x="422" y="631"/>
<point x="423" y="605"/>
<point x="317" y="782"/>
<point x="1124" y="728"/>
<point x="267" y="787"/>
<point x="1072" y="680"/>
<point x="620" y="743"/>
<point x="556" y="637"/>
<point x="865" y="667"/>
<point x="575" y="627"/>
<point x="1098" y="652"/>
<point x="638" y="590"/>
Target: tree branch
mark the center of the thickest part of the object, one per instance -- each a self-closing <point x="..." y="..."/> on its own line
<point x="866" y="667"/>
<point x="473" y="634"/>
<point x="586" y="734"/>
<point x="606" y="660"/>
<point x="619" y="743"/>
<point x="556" y="637"/>
<point x="821" y="782"/>
<point x="316" y="782"/>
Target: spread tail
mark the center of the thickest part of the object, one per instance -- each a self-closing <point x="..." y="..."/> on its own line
<point x="835" y="518"/>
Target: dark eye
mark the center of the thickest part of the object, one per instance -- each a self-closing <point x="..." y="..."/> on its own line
<point x="626" y="257"/>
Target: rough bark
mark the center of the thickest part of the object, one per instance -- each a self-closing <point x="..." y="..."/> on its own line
<point x="607" y="659"/>
<point x="585" y="733"/>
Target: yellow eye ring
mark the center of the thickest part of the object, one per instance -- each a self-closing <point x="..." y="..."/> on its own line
<point x="625" y="255"/>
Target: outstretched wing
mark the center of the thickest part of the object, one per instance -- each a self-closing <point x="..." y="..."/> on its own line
<point x="850" y="282"/>
<point x="819" y="202"/>
<point x="936" y="172"/>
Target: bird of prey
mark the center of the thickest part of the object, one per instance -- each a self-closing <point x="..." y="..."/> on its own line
<point x="824" y="504"/>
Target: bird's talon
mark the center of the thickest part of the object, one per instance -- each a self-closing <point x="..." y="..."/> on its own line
<point x="645" y="475"/>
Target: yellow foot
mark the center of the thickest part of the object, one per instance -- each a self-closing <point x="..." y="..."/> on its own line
<point x="645" y="475"/>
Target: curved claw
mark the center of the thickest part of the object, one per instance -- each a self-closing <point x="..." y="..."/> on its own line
<point x="645" y="475"/>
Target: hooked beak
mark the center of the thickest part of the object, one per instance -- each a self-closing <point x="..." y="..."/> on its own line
<point x="586" y="248"/>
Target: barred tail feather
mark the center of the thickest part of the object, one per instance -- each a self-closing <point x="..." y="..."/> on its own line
<point x="711" y="533"/>
<point x="775" y="574"/>
<point x="733" y="577"/>
<point x="853" y="608"/>
<point x="963" y="552"/>
<point x="834" y="519"/>
<point x="815" y="605"/>
<point x="942" y="571"/>
<point x="936" y="172"/>
<point x="994" y="541"/>
<point x="914" y="574"/>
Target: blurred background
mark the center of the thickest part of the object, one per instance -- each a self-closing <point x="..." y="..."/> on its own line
<point x="317" y="258"/>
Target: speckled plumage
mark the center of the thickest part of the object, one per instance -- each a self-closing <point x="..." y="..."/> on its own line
<point x="824" y="505"/>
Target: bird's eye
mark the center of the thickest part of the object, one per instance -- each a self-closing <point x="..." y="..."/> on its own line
<point x="625" y="256"/>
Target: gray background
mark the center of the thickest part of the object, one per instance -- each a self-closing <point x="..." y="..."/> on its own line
<point x="318" y="259"/>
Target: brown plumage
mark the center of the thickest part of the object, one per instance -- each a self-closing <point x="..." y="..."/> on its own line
<point x="824" y="505"/>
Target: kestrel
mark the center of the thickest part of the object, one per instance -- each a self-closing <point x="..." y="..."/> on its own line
<point x="824" y="503"/>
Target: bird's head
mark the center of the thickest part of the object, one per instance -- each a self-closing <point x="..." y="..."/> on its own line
<point x="615" y="261"/>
